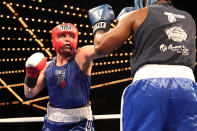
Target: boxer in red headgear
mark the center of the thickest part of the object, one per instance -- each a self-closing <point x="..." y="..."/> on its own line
<point x="64" y="28"/>
<point x="67" y="78"/>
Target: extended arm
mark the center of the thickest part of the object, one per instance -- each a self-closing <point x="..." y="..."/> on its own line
<point x="111" y="40"/>
<point x="107" y="41"/>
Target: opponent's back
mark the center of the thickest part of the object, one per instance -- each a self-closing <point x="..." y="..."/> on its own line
<point x="167" y="36"/>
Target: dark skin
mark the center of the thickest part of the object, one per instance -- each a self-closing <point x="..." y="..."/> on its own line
<point x="106" y="43"/>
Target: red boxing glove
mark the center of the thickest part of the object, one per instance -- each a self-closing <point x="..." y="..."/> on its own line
<point x="35" y="64"/>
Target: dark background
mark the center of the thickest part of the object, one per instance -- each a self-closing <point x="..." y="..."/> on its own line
<point x="105" y="99"/>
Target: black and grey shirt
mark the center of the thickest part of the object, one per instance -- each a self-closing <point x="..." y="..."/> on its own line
<point x="167" y="36"/>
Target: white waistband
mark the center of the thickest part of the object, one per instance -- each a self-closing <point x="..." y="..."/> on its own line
<point x="68" y="115"/>
<point x="163" y="71"/>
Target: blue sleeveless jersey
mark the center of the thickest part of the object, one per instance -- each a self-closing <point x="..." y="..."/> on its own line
<point x="68" y="87"/>
<point x="167" y="36"/>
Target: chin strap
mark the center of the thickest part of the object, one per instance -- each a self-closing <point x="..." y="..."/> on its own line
<point x="71" y="48"/>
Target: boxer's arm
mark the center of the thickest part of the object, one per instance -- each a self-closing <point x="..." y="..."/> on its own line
<point x="85" y="56"/>
<point x="89" y="53"/>
<point x="31" y="92"/>
<point x="41" y="82"/>
<point x="114" y="38"/>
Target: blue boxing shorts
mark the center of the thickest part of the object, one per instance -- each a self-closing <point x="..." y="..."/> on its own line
<point x="162" y="100"/>
<point x="78" y="119"/>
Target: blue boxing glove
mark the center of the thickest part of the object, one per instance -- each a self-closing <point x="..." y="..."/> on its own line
<point x="100" y="17"/>
<point x="124" y="12"/>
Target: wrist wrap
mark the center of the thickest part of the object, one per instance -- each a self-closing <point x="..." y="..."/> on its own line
<point x="30" y="82"/>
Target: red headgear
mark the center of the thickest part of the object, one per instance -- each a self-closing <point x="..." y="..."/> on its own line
<point x="64" y="28"/>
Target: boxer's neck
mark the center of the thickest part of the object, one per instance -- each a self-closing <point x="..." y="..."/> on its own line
<point x="62" y="60"/>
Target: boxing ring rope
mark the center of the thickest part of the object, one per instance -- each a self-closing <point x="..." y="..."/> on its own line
<point x="41" y="119"/>
<point x="29" y="102"/>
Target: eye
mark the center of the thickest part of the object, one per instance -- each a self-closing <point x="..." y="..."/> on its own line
<point x="72" y="35"/>
<point x="61" y="35"/>
<point x="64" y="35"/>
